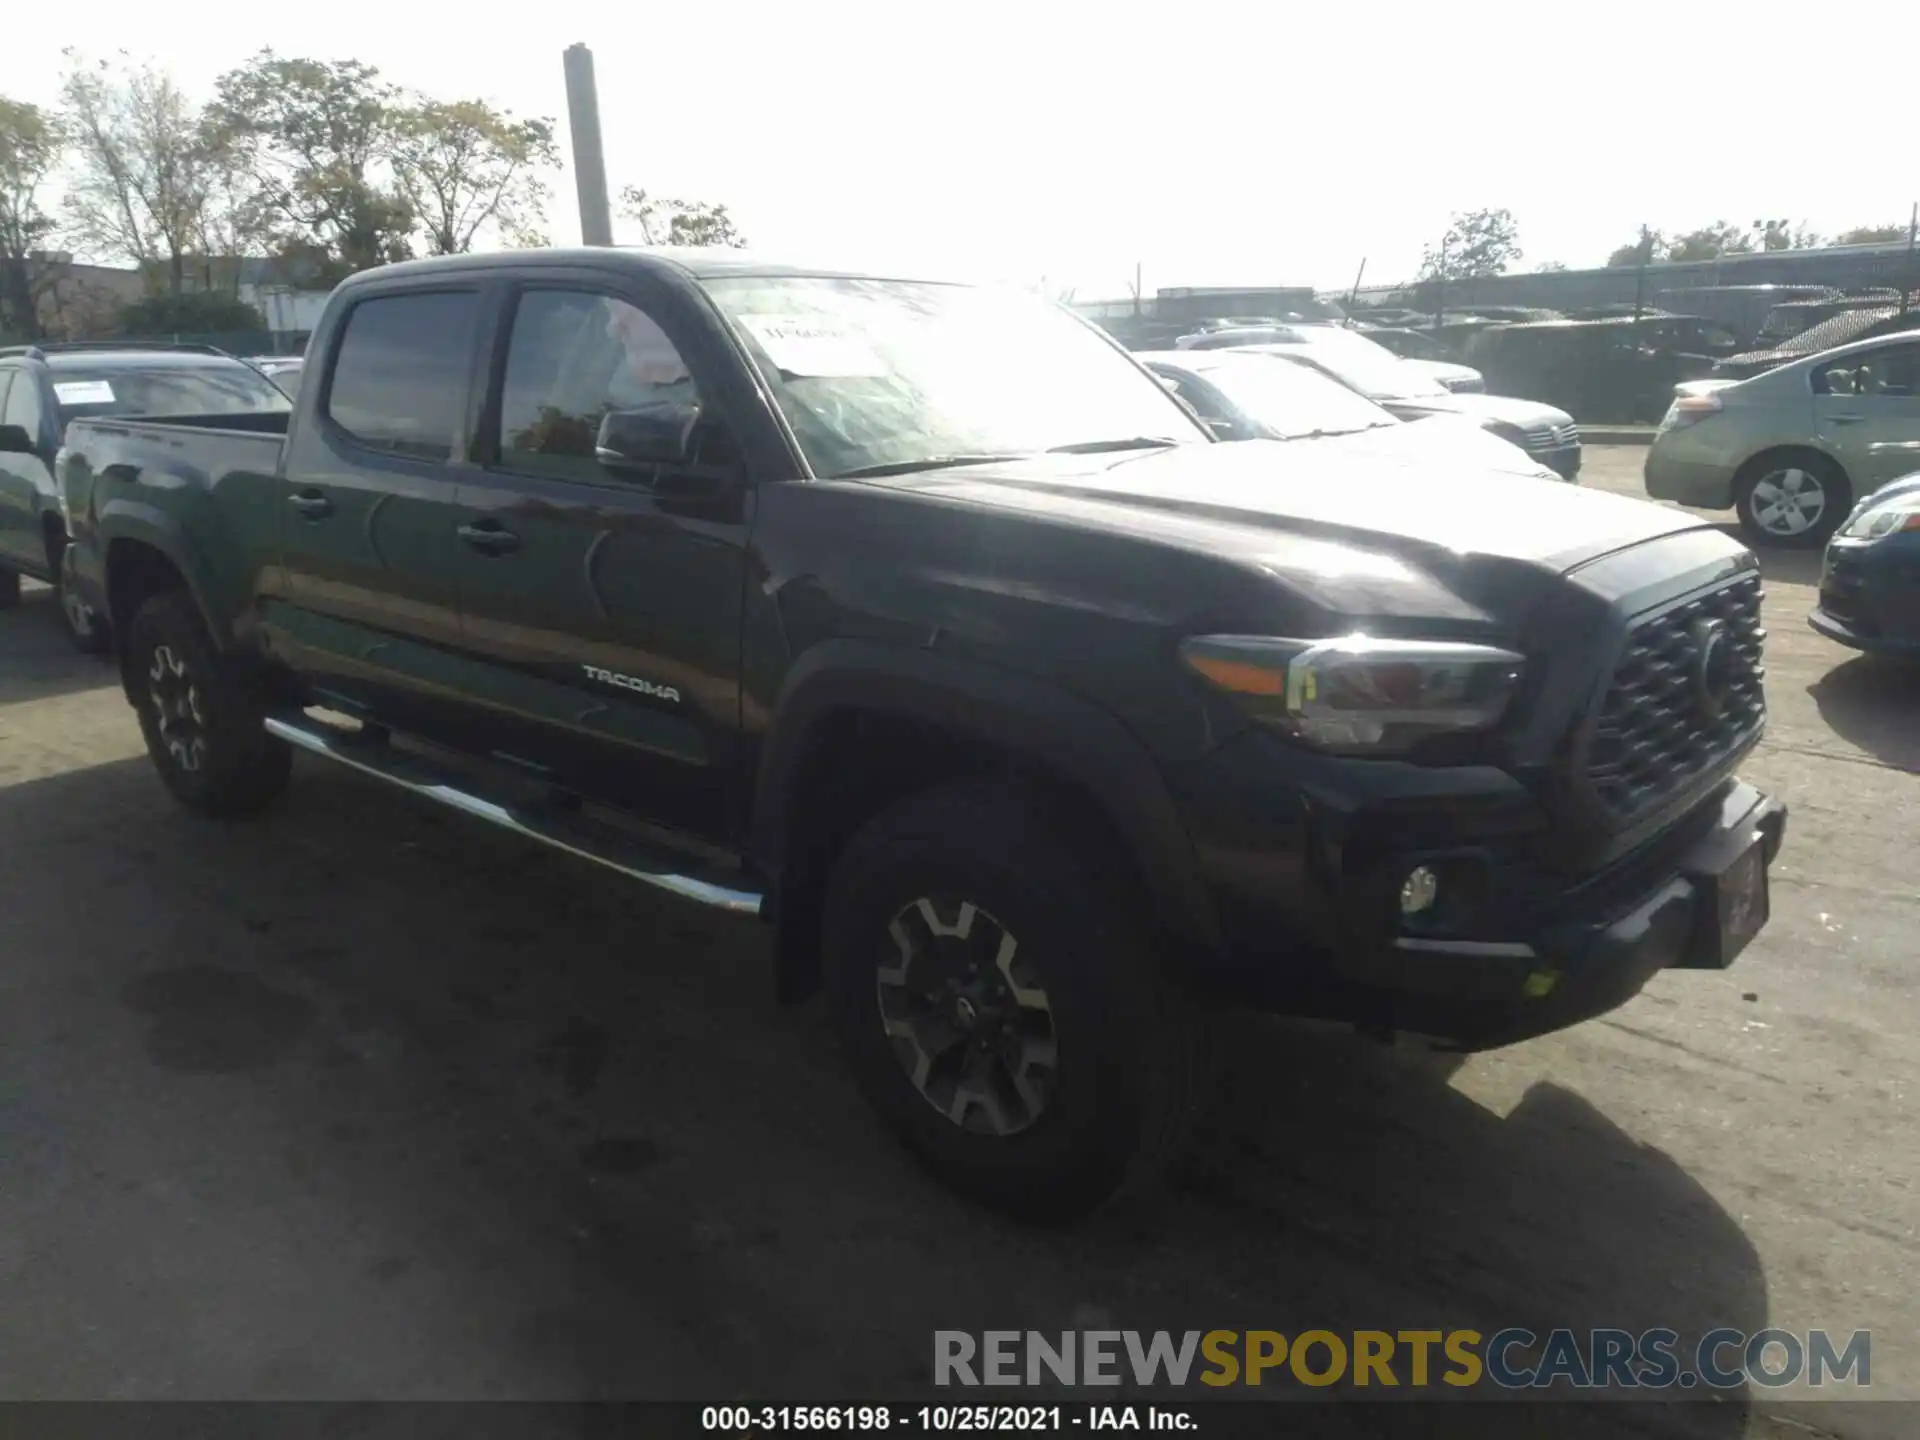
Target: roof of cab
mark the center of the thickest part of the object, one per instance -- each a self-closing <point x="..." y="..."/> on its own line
<point x="697" y="262"/>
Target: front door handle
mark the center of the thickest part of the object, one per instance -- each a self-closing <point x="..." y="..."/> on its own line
<point x="1846" y="419"/>
<point x="490" y="537"/>
<point x="311" y="504"/>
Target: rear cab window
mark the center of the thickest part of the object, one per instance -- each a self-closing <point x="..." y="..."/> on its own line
<point x="399" y="372"/>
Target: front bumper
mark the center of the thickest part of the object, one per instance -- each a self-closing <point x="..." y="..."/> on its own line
<point x="1305" y="875"/>
<point x="1596" y="952"/>
<point x="1870" y="596"/>
<point x="1564" y="462"/>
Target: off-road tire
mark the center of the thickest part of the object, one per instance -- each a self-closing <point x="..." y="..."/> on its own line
<point x="240" y="768"/>
<point x="1124" y="1091"/>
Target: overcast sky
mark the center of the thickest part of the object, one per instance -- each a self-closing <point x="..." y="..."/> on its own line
<point x="1212" y="143"/>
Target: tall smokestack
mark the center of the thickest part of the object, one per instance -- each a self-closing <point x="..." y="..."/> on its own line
<point x="589" y="162"/>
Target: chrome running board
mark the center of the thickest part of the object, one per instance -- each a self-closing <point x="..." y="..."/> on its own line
<point x="562" y="829"/>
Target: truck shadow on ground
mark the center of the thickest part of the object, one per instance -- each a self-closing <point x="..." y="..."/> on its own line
<point x="1874" y="704"/>
<point x="552" y="1072"/>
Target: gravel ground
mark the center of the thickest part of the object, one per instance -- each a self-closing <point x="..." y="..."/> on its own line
<point x="364" y="1100"/>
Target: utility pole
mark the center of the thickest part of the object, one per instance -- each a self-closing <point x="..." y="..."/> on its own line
<point x="1640" y="280"/>
<point x="589" y="161"/>
<point x="1136" y="289"/>
<point x="1353" y="297"/>
<point x="1906" y="286"/>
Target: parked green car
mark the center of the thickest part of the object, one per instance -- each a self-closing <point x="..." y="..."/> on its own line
<point x="1791" y="450"/>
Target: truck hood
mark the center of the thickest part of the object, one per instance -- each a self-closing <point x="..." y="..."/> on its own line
<point x="1430" y="503"/>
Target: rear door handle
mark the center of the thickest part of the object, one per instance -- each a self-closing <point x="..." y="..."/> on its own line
<point x="311" y="504"/>
<point x="489" y="537"/>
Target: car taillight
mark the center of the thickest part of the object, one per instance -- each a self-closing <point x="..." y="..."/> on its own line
<point x="1690" y="410"/>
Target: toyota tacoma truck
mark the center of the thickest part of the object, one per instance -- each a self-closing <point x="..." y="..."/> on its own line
<point x="919" y="621"/>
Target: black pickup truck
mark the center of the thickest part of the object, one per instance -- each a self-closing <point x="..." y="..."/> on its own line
<point x="920" y="621"/>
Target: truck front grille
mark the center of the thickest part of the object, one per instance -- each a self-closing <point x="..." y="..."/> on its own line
<point x="1685" y="698"/>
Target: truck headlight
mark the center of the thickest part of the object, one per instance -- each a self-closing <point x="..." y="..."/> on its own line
<point x="1877" y="520"/>
<point x="1359" y="694"/>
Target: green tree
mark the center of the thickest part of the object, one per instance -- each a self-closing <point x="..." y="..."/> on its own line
<point x="1871" y="235"/>
<point x="193" y="313"/>
<point x="1651" y="246"/>
<point x="1549" y="267"/>
<point x="142" y="171"/>
<point x="1479" y="242"/>
<point x="31" y="143"/>
<point x="319" y="138"/>
<point x="465" y="167"/>
<point x="680" y="222"/>
<point x="1783" y="235"/>
<point x="1710" y="242"/>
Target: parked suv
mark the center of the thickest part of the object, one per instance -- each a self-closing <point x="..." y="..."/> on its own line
<point x="923" y="622"/>
<point x="45" y="387"/>
<point x="1601" y="370"/>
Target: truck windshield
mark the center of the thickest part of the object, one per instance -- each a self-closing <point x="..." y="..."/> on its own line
<point x="885" y="374"/>
<point x="230" y="389"/>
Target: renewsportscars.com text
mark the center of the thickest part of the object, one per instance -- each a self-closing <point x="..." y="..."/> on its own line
<point x="1509" y="1359"/>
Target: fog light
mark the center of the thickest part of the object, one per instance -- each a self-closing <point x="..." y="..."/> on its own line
<point x="1418" y="891"/>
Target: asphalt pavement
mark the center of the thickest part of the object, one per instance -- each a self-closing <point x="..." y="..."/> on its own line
<point x="363" y="1100"/>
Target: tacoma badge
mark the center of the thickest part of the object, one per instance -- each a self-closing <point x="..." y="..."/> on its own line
<point x="632" y="682"/>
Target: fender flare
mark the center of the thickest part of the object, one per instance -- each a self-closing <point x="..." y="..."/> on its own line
<point x="1062" y="733"/>
<point x="125" y="519"/>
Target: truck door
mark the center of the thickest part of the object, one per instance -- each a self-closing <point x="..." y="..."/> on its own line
<point x="366" y="529"/>
<point x="602" y="600"/>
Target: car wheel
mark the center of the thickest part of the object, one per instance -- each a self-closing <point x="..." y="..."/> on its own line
<point x="85" y="628"/>
<point x="1001" y="1005"/>
<point x="1792" y="501"/>
<point x="200" y="712"/>
<point x="9" y="589"/>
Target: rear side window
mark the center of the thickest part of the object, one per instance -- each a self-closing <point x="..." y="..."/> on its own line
<point x="23" y="405"/>
<point x="400" y="372"/>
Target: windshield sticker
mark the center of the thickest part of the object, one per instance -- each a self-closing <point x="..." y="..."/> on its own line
<point x="83" y="392"/>
<point x="813" y="345"/>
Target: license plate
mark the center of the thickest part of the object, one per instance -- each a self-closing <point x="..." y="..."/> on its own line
<point x="1740" y="901"/>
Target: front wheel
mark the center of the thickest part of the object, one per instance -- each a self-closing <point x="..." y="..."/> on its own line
<point x="1001" y="1005"/>
<point x="201" y="713"/>
<point x="1791" y="501"/>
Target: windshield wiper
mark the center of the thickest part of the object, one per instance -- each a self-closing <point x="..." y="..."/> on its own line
<point x="930" y="462"/>
<point x="1132" y="442"/>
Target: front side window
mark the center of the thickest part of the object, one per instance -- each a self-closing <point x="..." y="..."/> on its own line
<point x="228" y="388"/>
<point x="888" y="374"/>
<point x="400" y="372"/>
<point x="574" y="358"/>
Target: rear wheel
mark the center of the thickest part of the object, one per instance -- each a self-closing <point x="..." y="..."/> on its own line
<point x="201" y="713"/>
<point x="1001" y="1005"/>
<point x="84" y="626"/>
<point x="1791" y="500"/>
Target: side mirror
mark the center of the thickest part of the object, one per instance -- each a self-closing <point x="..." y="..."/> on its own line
<point x="658" y="434"/>
<point x="14" y="440"/>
